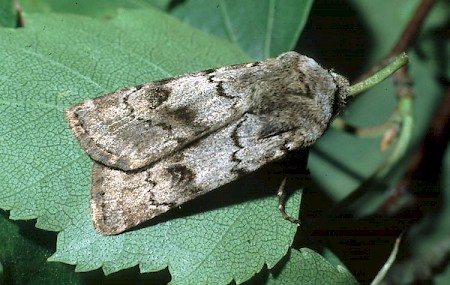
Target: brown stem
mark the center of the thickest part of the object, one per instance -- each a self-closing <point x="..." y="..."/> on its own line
<point x="407" y="38"/>
<point x="412" y="30"/>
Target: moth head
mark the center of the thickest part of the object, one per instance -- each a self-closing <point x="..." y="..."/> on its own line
<point x="341" y="94"/>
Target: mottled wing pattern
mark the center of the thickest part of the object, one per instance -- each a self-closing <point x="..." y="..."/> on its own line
<point x="123" y="199"/>
<point x="161" y="144"/>
<point x="131" y="128"/>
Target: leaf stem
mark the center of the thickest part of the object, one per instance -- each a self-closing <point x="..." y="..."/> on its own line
<point x="379" y="75"/>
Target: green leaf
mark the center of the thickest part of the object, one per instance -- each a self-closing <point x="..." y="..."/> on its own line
<point x="308" y="267"/>
<point x="103" y="9"/>
<point x="57" y="61"/>
<point x="7" y="14"/>
<point x="263" y="30"/>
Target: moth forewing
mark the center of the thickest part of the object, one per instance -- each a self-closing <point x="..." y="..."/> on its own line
<point x="130" y="129"/>
<point x="161" y="144"/>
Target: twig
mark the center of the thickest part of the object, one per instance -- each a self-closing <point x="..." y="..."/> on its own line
<point x="404" y="105"/>
<point x="407" y="38"/>
<point x="368" y="132"/>
<point x="381" y="74"/>
<point x="426" y="162"/>
<point x="413" y="28"/>
<point x="384" y="270"/>
<point x="420" y="267"/>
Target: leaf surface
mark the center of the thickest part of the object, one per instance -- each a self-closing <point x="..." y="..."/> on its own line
<point x="61" y="60"/>
<point x="308" y="267"/>
<point x="264" y="30"/>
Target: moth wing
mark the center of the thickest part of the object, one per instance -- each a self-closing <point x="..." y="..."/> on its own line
<point x="132" y="128"/>
<point x="121" y="200"/>
<point x="243" y="119"/>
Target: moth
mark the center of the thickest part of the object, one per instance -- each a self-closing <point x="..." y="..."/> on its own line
<point x="157" y="145"/>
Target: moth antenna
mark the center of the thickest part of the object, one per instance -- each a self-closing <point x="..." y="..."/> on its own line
<point x="281" y="204"/>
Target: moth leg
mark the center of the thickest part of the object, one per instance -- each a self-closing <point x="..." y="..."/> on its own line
<point x="281" y="204"/>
